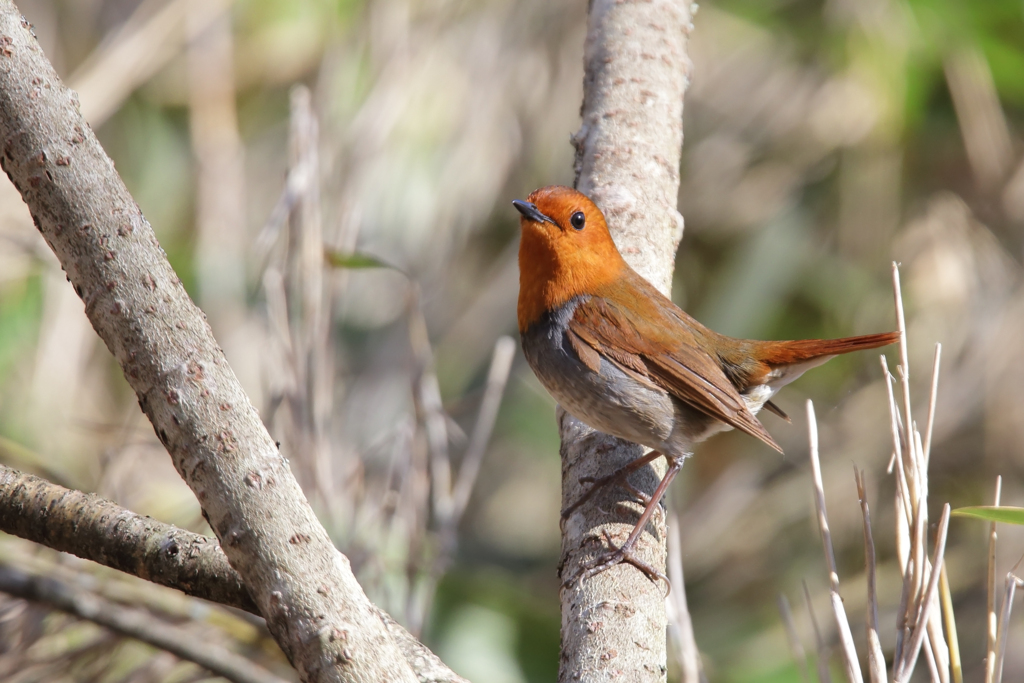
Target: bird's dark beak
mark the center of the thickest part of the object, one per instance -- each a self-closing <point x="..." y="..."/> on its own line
<point x="531" y="212"/>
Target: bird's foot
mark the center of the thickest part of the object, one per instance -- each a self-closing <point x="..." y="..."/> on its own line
<point x="643" y="497"/>
<point x="622" y="555"/>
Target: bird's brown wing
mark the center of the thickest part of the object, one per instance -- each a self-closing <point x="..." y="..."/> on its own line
<point x="664" y="353"/>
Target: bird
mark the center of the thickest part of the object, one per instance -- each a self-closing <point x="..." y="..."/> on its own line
<point x="621" y="357"/>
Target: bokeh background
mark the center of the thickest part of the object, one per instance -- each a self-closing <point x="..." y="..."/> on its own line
<point x="823" y="141"/>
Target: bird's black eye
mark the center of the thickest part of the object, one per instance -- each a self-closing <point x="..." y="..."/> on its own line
<point x="578" y="220"/>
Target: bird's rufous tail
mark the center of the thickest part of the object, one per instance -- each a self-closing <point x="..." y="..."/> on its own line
<point x="801" y="351"/>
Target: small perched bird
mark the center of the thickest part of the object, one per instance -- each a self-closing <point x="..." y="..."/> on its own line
<point x="620" y="356"/>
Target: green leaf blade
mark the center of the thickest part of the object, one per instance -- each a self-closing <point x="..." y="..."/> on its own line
<point x="991" y="513"/>
<point x="356" y="260"/>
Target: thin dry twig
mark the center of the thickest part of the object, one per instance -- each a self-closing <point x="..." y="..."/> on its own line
<point x="432" y="415"/>
<point x="822" y="649"/>
<point x="309" y="396"/>
<point x="932" y="399"/>
<point x="453" y="501"/>
<point x="904" y="373"/>
<point x="133" y="623"/>
<point x="904" y="669"/>
<point x="919" y="620"/>
<point x="933" y="667"/>
<point x="497" y="377"/>
<point x="1012" y="583"/>
<point x="220" y="186"/>
<point x="135" y="52"/>
<point x="850" y="659"/>
<point x="92" y="528"/>
<point x="902" y="488"/>
<point x="679" y="610"/>
<point x="982" y="121"/>
<point x="793" y="638"/>
<point x="901" y="618"/>
<point x="992" y="632"/>
<point x="876" y="658"/>
<point x="917" y="547"/>
<point x="938" y="651"/>
<point x="912" y="500"/>
<point x="950" y="619"/>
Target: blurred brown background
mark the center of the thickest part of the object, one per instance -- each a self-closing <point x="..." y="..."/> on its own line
<point x="823" y="141"/>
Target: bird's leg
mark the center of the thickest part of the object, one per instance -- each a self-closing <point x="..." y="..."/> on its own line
<point x="640" y="496"/>
<point x="624" y="553"/>
<point x="618" y="475"/>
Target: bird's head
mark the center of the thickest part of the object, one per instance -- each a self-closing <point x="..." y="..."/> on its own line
<point x="566" y="250"/>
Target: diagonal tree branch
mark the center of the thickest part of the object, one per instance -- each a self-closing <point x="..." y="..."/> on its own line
<point x="627" y="159"/>
<point x="301" y="584"/>
<point x="96" y="529"/>
<point x="93" y="528"/>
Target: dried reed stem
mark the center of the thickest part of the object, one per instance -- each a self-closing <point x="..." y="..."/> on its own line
<point x="904" y="372"/>
<point x="919" y="619"/>
<point x="947" y="614"/>
<point x="916" y="601"/>
<point x="497" y="378"/>
<point x="679" y="610"/>
<point x="992" y="632"/>
<point x="793" y="638"/>
<point x="1012" y="582"/>
<point x="904" y="516"/>
<point x="904" y="669"/>
<point x="932" y="399"/>
<point x="821" y="648"/>
<point x="876" y="658"/>
<point x="852" y="663"/>
<point x="431" y="413"/>
<point x="902" y="488"/>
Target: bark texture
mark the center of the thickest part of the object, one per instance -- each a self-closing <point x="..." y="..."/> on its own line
<point x="628" y="151"/>
<point x="96" y="529"/>
<point x="630" y="140"/>
<point x="93" y="528"/>
<point x="302" y="585"/>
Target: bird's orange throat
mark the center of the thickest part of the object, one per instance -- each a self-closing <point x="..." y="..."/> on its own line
<point x="556" y="265"/>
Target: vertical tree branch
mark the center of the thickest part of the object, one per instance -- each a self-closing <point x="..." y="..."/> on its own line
<point x="302" y="585"/>
<point x="627" y="159"/>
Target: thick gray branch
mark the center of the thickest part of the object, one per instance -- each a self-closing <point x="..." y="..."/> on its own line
<point x="630" y="140"/>
<point x="627" y="159"/>
<point x="302" y="585"/>
<point x="96" y="529"/>
<point x="133" y="623"/>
